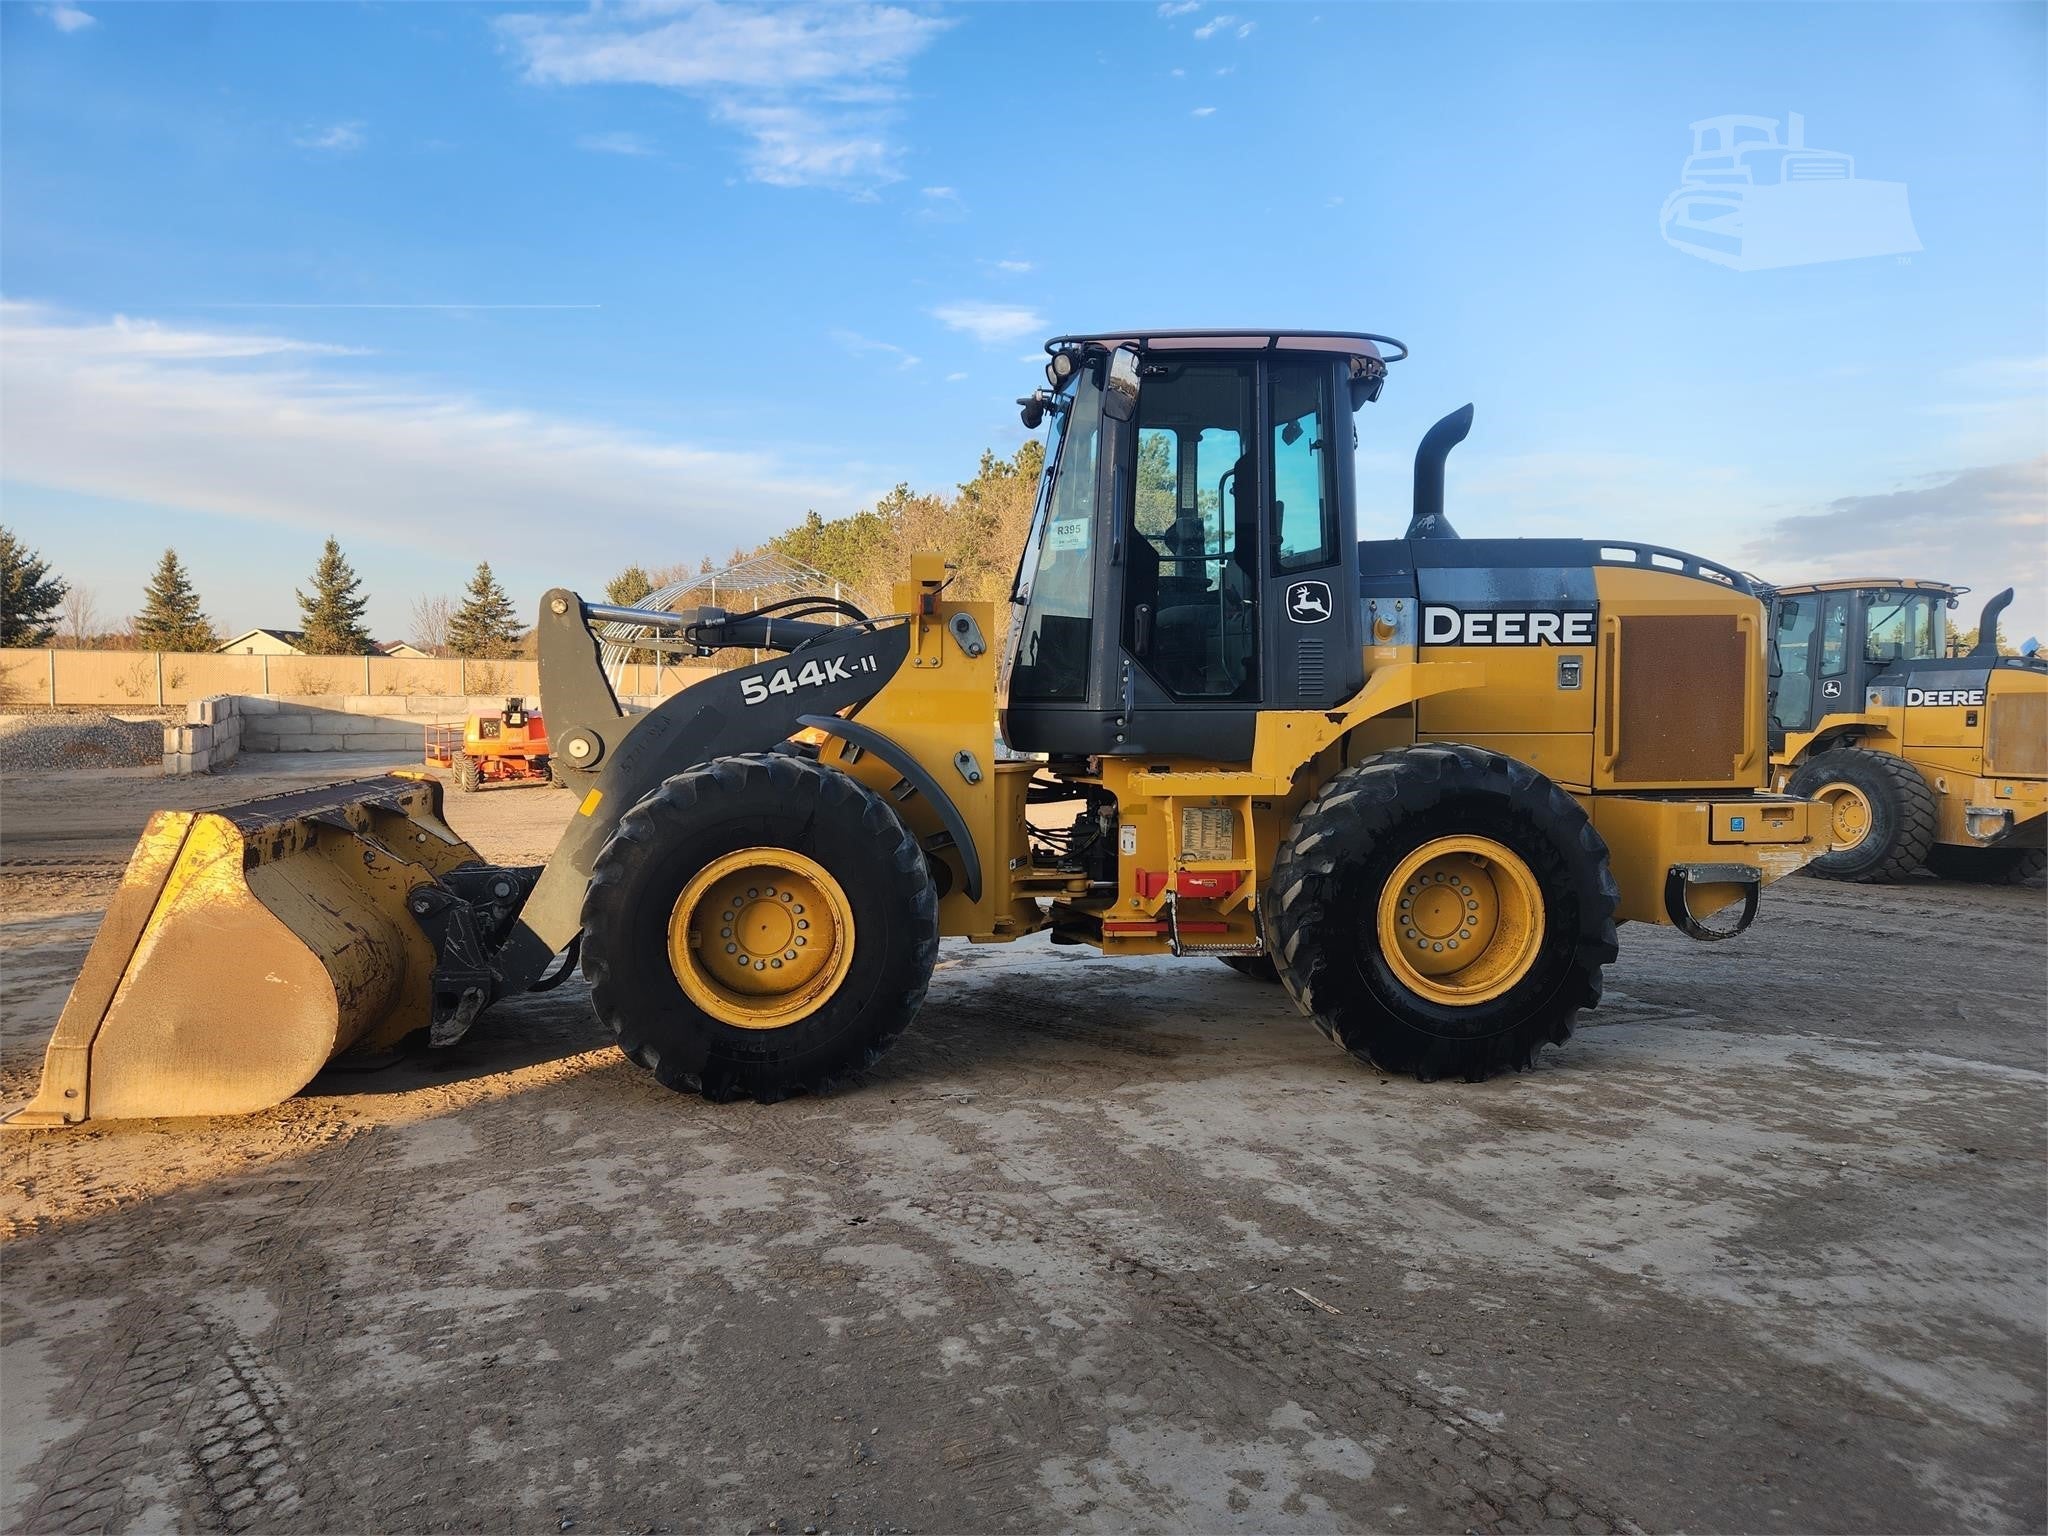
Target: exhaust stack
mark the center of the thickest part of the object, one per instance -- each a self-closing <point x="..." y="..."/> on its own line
<point x="1987" y="625"/>
<point x="1428" y="521"/>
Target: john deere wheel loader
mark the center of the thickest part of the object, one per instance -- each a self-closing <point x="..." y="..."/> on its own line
<point x="1427" y="777"/>
<point x="1915" y="756"/>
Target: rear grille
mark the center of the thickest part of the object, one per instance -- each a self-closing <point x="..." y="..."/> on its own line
<point x="2017" y="745"/>
<point x="1675" y="712"/>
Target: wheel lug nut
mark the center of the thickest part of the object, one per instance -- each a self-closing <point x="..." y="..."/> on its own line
<point x="732" y="949"/>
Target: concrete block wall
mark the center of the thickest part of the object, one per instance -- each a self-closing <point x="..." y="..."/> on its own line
<point x="397" y="724"/>
<point x="210" y="738"/>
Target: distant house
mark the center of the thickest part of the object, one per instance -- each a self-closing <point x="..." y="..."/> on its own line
<point x="402" y="650"/>
<point x="265" y="642"/>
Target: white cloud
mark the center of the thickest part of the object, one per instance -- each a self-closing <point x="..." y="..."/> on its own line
<point x="1171" y="8"/>
<point x="989" y="323"/>
<point x="1213" y="25"/>
<point x="337" y="138"/>
<point x="860" y="346"/>
<point x="272" y="429"/>
<point x="1988" y="526"/>
<point x="69" y="18"/>
<point x="1247" y="29"/>
<point x="1012" y="266"/>
<point x="1203" y="112"/>
<point x="615" y="144"/>
<point x="812" y="88"/>
<point x="955" y="378"/>
<point x="941" y="205"/>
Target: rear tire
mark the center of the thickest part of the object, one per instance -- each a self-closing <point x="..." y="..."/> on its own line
<point x="468" y="774"/>
<point x="667" y="1000"/>
<point x="1879" y="800"/>
<point x="1367" y="844"/>
<point x="1986" y="866"/>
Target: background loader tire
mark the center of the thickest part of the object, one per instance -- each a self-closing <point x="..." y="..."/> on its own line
<point x="1889" y="800"/>
<point x="1987" y="866"/>
<point x="687" y="828"/>
<point x="559" y="777"/>
<point x="1347" y="851"/>
<point x="466" y="773"/>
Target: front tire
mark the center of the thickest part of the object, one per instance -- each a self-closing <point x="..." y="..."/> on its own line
<point x="1883" y="813"/>
<point x="467" y="773"/>
<point x="1403" y="858"/>
<point x="759" y="926"/>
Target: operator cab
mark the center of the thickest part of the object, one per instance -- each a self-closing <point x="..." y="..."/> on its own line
<point x="1831" y="640"/>
<point x="1193" y="557"/>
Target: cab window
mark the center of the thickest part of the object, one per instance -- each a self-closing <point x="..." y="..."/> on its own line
<point x="1190" y="591"/>
<point x="1056" y="586"/>
<point x="1904" y="626"/>
<point x="1792" y="705"/>
<point x="1834" y="634"/>
<point x="1304" y="490"/>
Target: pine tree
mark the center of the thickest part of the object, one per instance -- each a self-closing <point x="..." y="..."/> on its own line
<point x="629" y="586"/>
<point x="486" y="625"/>
<point x="333" y="615"/>
<point x="170" y="619"/>
<point x="29" y="595"/>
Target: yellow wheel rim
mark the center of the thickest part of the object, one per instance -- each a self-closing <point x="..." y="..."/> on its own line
<point x="1848" y="811"/>
<point x="1461" y="920"/>
<point x="761" y="937"/>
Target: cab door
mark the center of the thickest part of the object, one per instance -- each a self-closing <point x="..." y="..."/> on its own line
<point x="1795" y="621"/>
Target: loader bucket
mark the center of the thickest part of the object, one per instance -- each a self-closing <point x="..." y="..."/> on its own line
<point x="246" y="948"/>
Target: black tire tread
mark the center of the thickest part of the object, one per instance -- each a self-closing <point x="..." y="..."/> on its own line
<point x="1917" y="818"/>
<point x="468" y="775"/>
<point x="674" y="805"/>
<point x="1335" y="823"/>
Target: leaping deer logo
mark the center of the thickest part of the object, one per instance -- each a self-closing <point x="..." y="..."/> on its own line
<point x="1308" y="602"/>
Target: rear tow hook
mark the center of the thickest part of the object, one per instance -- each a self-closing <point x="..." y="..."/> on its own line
<point x="1680" y="880"/>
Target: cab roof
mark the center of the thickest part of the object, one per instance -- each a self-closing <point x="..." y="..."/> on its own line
<point x="1243" y="339"/>
<point x="1889" y="583"/>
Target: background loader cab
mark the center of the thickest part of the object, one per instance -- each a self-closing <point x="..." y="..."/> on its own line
<point x="1920" y="757"/>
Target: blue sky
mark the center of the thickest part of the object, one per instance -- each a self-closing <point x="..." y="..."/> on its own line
<point x="562" y="288"/>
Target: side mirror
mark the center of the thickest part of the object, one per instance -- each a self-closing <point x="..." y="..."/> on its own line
<point x="1120" y="388"/>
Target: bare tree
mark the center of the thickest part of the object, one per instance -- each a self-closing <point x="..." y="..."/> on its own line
<point x="81" y="617"/>
<point x="431" y="617"/>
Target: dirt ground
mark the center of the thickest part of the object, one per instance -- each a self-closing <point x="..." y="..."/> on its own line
<point x="1097" y="1246"/>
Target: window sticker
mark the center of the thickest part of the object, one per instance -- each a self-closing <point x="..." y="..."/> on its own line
<point x="1071" y="533"/>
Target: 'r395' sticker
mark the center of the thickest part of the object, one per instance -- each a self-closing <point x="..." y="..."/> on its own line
<point x="812" y="674"/>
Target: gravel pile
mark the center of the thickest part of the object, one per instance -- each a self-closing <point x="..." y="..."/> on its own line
<point x="51" y="743"/>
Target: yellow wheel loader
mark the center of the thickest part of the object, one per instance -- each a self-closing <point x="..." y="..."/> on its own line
<point x="1424" y="778"/>
<point x="1914" y="756"/>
